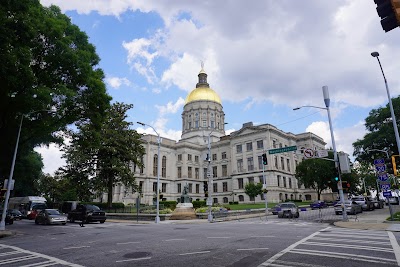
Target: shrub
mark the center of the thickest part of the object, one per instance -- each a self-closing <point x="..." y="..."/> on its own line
<point x="199" y="204"/>
<point x="168" y="204"/>
<point x="234" y="203"/>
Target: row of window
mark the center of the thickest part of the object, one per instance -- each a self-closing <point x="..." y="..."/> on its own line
<point x="249" y="146"/>
<point x="196" y="158"/>
<point x="196" y="172"/>
<point x="251" y="180"/>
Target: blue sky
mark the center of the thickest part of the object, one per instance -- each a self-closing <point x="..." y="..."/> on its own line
<point x="262" y="57"/>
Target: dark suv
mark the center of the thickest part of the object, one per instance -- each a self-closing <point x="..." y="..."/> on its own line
<point x="87" y="213"/>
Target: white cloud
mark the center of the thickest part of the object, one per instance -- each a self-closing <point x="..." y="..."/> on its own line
<point x="171" y="107"/>
<point x="51" y="158"/>
<point x="116" y="82"/>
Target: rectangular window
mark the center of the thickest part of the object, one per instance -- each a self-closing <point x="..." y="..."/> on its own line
<point x="215" y="187"/>
<point x="238" y="148"/>
<point x="205" y="173"/>
<point x="179" y="188"/>
<point x="190" y="188"/>
<point x="215" y="171"/>
<point x="163" y="187"/>
<point x="290" y="182"/>
<point x="179" y="172"/>
<point x="204" y="123"/>
<point x="196" y="124"/>
<point x="179" y="157"/>
<point x="224" y="170"/>
<point x="260" y="144"/>
<point x="282" y="163"/>
<point x="251" y="180"/>
<point x="140" y="186"/>
<point x="196" y="158"/>
<point x="284" y="181"/>
<point x="214" y="156"/>
<point x="261" y="179"/>
<point x="189" y="172"/>
<point x="212" y="124"/>
<point x="260" y="163"/>
<point x="288" y="164"/>
<point x="196" y="173"/>
<point x="240" y="183"/>
<point x="279" y="180"/>
<point x="240" y="165"/>
<point x="223" y="155"/>
<point x="224" y="187"/>
<point x="197" y="188"/>
<point x="276" y="162"/>
<point x="154" y="187"/>
<point x="189" y="157"/>
<point x="250" y="164"/>
<point x="249" y="146"/>
<point x="274" y="143"/>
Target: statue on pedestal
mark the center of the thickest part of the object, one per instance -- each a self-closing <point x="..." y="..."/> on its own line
<point x="185" y="197"/>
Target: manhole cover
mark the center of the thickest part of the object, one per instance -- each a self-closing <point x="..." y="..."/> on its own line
<point x="137" y="255"/>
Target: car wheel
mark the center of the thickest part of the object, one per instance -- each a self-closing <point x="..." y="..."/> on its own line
<point x="64" y="223"/>
<point x="102" y="221"/>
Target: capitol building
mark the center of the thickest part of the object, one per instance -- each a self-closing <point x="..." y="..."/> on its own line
<point x="234" y="160"/>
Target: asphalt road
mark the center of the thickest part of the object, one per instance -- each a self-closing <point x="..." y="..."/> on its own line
<point x="275" y="242"/>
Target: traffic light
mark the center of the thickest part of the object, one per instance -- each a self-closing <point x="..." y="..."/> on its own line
<point x="345" y="185"/>
<point x="389" y="12"/>
<point x="395" y="163"/>
<point x="264" y="158"/>
<point x="336" y="177"/>
<point x="389" y="165"/>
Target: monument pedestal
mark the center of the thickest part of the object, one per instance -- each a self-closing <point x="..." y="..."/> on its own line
<point x="183" y="211"/>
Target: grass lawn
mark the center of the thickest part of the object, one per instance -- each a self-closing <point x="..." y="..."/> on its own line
<point x="261" y="205"/>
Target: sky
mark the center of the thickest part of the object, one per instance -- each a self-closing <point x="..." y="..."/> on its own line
<point x="262" y="57"/>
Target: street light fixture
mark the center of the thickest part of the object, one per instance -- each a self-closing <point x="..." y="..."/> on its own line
<point x="325" y="93"/>
<point x="158" y="170"/>
<point x="396" y="131"/>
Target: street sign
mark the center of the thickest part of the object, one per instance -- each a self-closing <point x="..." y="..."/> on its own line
<point x="308" y="153"/>
<point x="384" y="182"/>
<point x="383" y="176"/>
<point x="281" y="150"/>
<point x="387" y="194"/>
<point x="380" y="168"/>
<point x="385" y="187"/>
<point x="321" y="154"/>
<point x="379" y="161"/>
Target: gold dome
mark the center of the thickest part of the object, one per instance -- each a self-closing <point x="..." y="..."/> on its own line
<point x="203" y="93"/>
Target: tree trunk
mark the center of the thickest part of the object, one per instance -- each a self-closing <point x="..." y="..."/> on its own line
<point x="110" y="191"/>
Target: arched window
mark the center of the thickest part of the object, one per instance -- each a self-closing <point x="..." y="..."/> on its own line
<point x="225" y="200"/>
<point x="155" y="164"/>
<point x="241" y="198"/>
<point x="215" y="200"/>
<point x="164" y="167"/>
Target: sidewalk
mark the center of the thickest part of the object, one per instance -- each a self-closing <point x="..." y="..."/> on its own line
<point x="371" y="220"/>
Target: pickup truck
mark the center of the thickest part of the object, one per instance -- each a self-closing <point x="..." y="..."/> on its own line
<point x="87" y="213"/>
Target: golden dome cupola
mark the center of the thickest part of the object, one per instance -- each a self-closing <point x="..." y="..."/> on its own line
<point x="203" y="92"/>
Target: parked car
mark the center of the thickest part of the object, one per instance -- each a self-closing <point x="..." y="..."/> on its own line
<point x="276" y="208"/>
<point x="50" y="216"/>
<point x="288" y="210"/>
<point x="9" y="218"/>
<point x="87" y="213"/>
<point x="378" y="203"/>
<point x="351" y="207"/>
<point x="16" y="214"/>
<point x="318" y="205"/>
<point x="365" y="203"/>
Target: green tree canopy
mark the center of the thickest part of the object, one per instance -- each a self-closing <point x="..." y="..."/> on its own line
<point x="253" y="190"/>
<point x="47" y="64"/>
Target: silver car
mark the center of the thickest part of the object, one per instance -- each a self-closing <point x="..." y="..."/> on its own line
<point x="50" y="216"/>
<point x="351" y="207"/>
<point x="288" y="210"/>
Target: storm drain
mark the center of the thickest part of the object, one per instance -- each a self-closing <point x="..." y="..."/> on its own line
<point x="137" y="255"/>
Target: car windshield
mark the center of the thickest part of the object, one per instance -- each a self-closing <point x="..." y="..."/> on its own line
<point x="92" y="207"/>
<point x="39" y="206"/>
<point x="53" y="212"/>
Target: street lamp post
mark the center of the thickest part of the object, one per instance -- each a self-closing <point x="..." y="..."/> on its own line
<point x="158" y="171"/>
<point x="335" y="157"/>
<point x="396" y="131"/>
<point x="9" y="184"/>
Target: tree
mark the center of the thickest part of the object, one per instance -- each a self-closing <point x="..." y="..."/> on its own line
<point x="380" y="134"/>
<point x="317" y="174"/>
<point x="99" y="159"/>
<point x="253" y="190"/>
<point x="46" y="56"/>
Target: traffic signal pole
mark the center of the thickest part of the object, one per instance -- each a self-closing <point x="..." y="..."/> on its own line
<point x="265" y="193"/>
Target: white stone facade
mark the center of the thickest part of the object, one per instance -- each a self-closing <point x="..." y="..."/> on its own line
<point x="235" y="159"/>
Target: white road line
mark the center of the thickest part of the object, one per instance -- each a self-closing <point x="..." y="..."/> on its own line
<point x="125" y="243"/>
<point x="37" y="255"/>
<point x="387" y="243"/>
<point x="290" y="263"/>
<point x="348" y="246"/>
<point x="39" y="264"/>
<point x="9" y="253"/>
<point x="395" y="246"/>
<point x="355" y="237"/>
<point x="278" y="255"/>
<point x="191" y="253"/>
<point x="348" y="256"/>
<point x="240" y="249"/>
<point x="176" y="239"/>
<point x="23" y="258"/>
<point x="77" y="247"/>
<point x="138" y="259"/>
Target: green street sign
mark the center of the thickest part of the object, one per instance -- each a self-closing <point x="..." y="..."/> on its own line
<point x="281" y="150"/>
